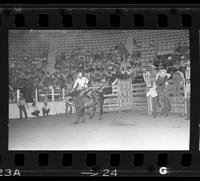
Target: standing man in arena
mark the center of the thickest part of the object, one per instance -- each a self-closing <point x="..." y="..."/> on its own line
<point x="11" y="93"/>
<point x="153" y="72"/>
<point x="45" y="109"/>
<point x="21" y="103"/>
<point x="187" y="99"/>
<point x="187" y="71"/>
<point x="187" y="88"/>
<point x="147" y="80"/>
<point x="152" y="92"/>
<point x="68" y="99"/>
<point x="161" y="84"/>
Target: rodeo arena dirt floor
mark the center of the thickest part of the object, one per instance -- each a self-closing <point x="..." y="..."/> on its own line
<point x="131" y="74"/>
<point x="116" y="131"/>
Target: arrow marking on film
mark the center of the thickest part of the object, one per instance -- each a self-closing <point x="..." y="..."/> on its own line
<point x="90" y="173"/>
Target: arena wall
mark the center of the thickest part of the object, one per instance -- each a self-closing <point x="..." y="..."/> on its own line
<point x="121" y="99"/>
<point x="55" y="108"/>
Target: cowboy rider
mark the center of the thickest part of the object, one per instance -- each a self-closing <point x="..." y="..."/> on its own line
<point x="81" y="83"/>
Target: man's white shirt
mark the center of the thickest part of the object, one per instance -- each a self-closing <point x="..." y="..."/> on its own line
<point x="147" y="78"/>
<point x="81" y="83"/>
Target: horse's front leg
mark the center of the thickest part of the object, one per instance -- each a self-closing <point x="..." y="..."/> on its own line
<point x="70" y="109"/>
<point x="66" y="107"/>
<point x="77" y="119"/>
<point x="83" y="115"/>
<point x="93" y="111"/>
<point x="162" y="105"/>
<point x="78" y="116"/>
<point x="83" y="119"/>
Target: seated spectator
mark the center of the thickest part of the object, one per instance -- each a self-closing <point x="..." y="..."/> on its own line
<point x="118" y="74"/>
<point x="36" y="111"/>
<point x="124" y="74"/>
<point x="129" y="71"/>
<point x="123" y="71"/>
<point x="125" y="63"/>
<point x="112" y="78"/>
<point x="45" y="109"/>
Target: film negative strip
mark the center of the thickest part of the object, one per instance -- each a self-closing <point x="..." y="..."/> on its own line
<point x="135" y="66"/>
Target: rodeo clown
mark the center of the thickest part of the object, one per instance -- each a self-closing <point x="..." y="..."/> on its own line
<point x="161" y="85"/>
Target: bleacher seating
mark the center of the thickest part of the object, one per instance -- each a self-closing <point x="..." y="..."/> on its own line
<point x="33" y="46"/>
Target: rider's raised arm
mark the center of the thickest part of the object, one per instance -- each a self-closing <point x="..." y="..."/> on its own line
<point x="86" y="80"/>
<point x="75" y="84"/>
<point x="168" y="75"/>
<point x="157" y="75"/>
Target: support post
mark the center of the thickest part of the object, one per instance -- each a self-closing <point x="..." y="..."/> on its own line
<point x="185" y="97"/>
<point x="52" y="94"/>
<point x="18" y="93"/>
<point x="36" y="95"/>
<point x="63" y="94"/>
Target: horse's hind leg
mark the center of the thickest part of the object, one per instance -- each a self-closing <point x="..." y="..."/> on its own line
<point x="66" y="108"/>
<point x="100" y="112"/>
<point x="70" y="109"/>
<point x="101" y="109"/>
<point x="83" y="118"/>
<point x="77" y="119"/>
<point x="83" y="115"/>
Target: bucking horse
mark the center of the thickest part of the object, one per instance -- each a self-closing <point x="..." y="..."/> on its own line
<point x="87" y="99"/>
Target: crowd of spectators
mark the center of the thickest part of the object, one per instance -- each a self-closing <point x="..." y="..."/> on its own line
<point x="31" y="72"/>
<point x="23" y="72"/>
<point x="99" y="66"/>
